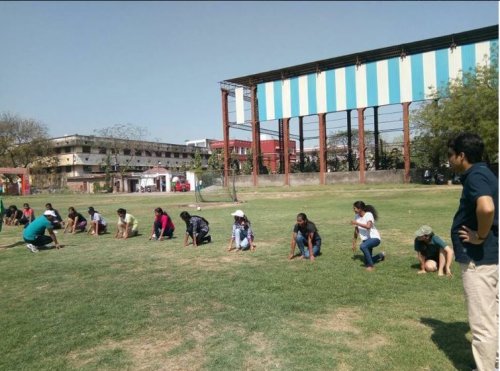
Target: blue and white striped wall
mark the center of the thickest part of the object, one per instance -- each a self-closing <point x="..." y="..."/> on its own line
<point x="390" y="81"/>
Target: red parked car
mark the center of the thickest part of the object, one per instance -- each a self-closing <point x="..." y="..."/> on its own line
<point x="182" y="186"/>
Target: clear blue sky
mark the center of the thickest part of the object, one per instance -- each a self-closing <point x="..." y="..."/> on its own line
<point x="81" y="66"/>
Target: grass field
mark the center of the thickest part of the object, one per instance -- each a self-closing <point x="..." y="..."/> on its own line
<point x="101" y="303"/>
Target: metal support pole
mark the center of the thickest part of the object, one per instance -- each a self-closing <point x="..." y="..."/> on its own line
<point x="375" y="134"/>
<point x="349" y="141"/>
<point x="322" y="147"/>
<point x="255" y="138"/>
<point x="362" y="148"/>
<point x="301" y="143"/>
<point x="286" y="152"/>
<point x="406" y="140"/>
<point x="225" y="130"/>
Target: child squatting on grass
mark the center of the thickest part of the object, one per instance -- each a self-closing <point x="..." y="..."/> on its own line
<point x="196" y="228"/>
<point x="364" y="222"/>
<point x="76" y="221"/>
<point x="305" y="231"/>
<point x="127" y="225"/>
<point x="432" y="252"/>
<point x="242" y="234"/>
<point x="162" y="225"/>
<point x="97" y="223"/>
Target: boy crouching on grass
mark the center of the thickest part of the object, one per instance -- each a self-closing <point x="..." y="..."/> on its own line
<point x="34" y="233"/>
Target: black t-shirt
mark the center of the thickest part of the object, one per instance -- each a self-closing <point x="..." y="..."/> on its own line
<point x="306" y="229"/>
<point x="477" y="181"/>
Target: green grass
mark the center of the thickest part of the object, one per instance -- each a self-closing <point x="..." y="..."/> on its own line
<point x="101" y="303"/>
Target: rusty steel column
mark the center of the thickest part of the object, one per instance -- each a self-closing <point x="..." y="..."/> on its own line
<point x="322" y="147"/>
<point x="349" y="141"/>
<point x="376" y="137"/>
<point x="225" y="131"/>
<point x="406" y="140"/>
<point x="301" y="143"/>
<point x="286" y="149"/>
<point x="255" y="137"/>
<point x="362" y="148"/>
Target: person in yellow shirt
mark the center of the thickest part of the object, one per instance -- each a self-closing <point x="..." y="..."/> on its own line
<point x="127" y="225"/>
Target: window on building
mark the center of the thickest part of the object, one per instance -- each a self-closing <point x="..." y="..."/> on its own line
<point x="87" y="168"/>
<point x="176" y="154"/>
<point x="58" y="150"/>
<point x="158" y="154"/>
<point x="148" y="153"/>
<point x="67" y="149"/>
<point x="67" y="169"/>
<point x="168" y="154"/>
<point x="138" y="152"/>
<point x="127" y="152"/>
<point x="102" y="151"/>
<point x="184" y="155"/>
<point x="85" y="149"/>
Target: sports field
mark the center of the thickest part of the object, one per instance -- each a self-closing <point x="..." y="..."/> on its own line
<point x="106" y="304"/>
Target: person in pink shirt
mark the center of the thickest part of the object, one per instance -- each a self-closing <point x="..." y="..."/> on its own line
<point x="162" y="225"/>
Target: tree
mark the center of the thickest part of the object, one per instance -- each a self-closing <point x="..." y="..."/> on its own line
<point x="122" y="141"/>
<point x="25" y="143"/>
<point x="197" y="164"/>
<point x="247" y="167"/>
<point x="215" y="161"/>
<point x="467" y="104"/>
<point x="338" y="149"/>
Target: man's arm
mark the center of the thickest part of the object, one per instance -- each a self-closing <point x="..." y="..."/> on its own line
<point x="485" y="214"/>
<point x="54" y="238"/>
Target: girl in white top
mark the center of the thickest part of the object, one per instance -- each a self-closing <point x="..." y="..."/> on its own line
<point x="364" y="222"/>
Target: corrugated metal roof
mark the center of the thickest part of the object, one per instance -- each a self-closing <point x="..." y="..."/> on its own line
<point x="462" y="38"/>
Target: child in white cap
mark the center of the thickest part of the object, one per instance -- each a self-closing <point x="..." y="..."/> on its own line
<point x="242" y="234"/>
<point x="432" y="252"/>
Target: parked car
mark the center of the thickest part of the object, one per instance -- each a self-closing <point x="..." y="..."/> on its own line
<point x="182" y="185"/>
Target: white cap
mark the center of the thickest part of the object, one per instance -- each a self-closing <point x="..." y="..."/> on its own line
<point x="50" y="213"/>
<point x="238" y="213"/>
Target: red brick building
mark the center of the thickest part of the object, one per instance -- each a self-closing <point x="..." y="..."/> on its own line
<point x="270" y="150"/>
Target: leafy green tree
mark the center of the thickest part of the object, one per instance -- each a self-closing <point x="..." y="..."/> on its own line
<point x="338" y="149"/>
<point x="247" y="166"/>
<point x="23" y="142"/>
<point x="469" y="104"/>
<point x="216" y="160"/>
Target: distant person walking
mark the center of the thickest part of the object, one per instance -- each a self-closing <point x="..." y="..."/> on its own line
<point x="474" y="234"/>
<point x="364" y="227"/>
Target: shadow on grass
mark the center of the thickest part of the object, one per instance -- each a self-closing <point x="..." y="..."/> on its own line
<point x="18" y="243"/>
<point x="450" y="338"/>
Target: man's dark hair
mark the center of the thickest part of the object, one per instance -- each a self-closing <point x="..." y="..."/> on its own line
<point x="121" y="211"/>
<point x="470" y="144"/>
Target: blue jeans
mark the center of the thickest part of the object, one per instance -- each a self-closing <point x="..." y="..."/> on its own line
<point x="241" y="239"/>
<point x="366" y="247"/>
<point x="304" y="250"/>
<point x="168" y="232"/>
